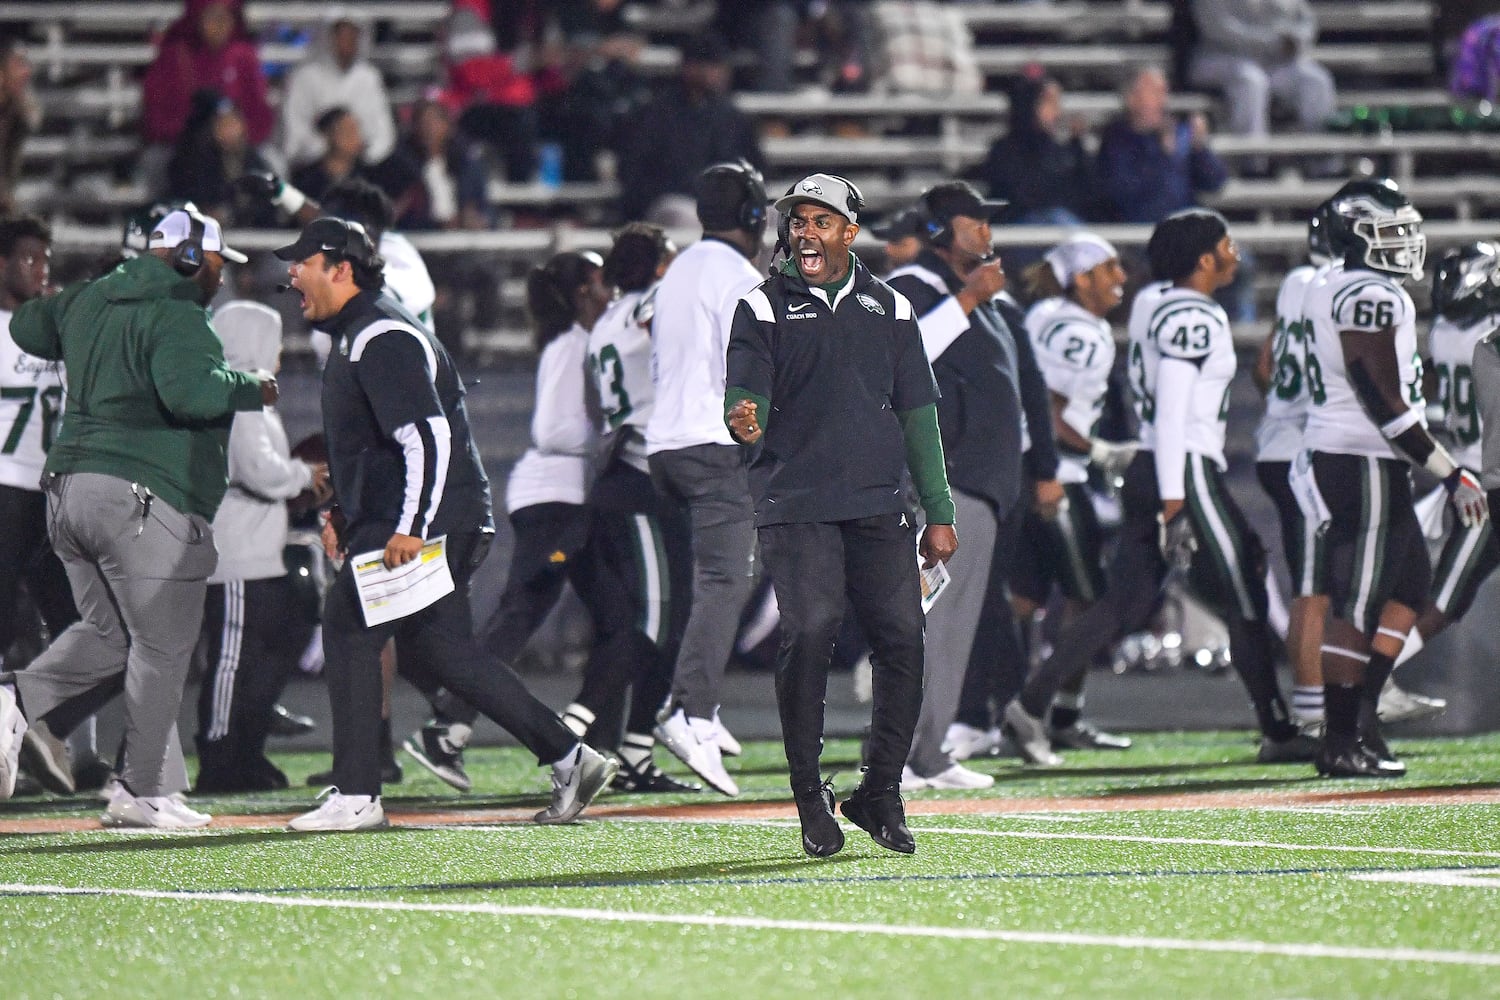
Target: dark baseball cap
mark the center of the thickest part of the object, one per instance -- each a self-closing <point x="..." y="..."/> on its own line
<point x="953" y="198"/>
<point x="907" y="222"/>
<point x="327" y="234"/>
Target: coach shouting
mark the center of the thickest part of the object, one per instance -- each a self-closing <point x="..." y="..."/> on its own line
<point x="825" y="368"/>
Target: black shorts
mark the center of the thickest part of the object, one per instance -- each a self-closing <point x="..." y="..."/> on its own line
<point x="1300" y="540"/>
<point x="1373" y="547"/>
<point x="1469" y="556"/>
<point x="1063" y="551"/>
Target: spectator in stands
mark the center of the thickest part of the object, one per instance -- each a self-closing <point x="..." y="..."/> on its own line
<point x="1151" y="165"/>
<point x="19" y="117"/>
<point x="902" y="235"/>
<point x="692" y="125"/>
<point x="495" y="101"/>
<point x="448" y="176"/>
<point x="1254" y="50"/>
<point x="212" y="153"/>
<point x="336" y="72"/>
<point x="1047" y="180"/>
<point x="208" y="46"/>
<point x="342" y="159"/>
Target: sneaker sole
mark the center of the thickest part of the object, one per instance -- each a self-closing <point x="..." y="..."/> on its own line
<point x="383" y="824"/>
<point x="1410" y="714"/>
<point x="725" y="785"/>
<point x="588" y="789"/>
<point x="881" y="841"/>
<point x="443" y="774"/>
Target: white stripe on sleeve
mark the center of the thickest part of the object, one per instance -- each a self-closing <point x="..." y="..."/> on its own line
<point x="427" y="447"/>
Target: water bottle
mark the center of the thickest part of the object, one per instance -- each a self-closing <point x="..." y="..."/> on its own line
<point x="550" y="165"/>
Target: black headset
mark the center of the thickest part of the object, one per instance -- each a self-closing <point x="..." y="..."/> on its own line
<point x="187" y="257"/>
<point x="934" y="229"/>
<point x="358" y="247"/>
<point x="752" y="212"/>
<point x="855" y="202"/>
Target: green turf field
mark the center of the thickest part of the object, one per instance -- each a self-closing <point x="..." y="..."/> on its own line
<point x="1178" y="869"/>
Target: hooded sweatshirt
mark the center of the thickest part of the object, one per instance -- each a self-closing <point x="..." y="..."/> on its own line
<point x="150" y="396"/>
<point x="251" y="525"/>
<point x="184" y="65"/>
<point x="320" y="84"/>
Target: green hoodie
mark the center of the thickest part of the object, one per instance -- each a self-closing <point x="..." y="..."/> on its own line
<point x="150" y="398"/>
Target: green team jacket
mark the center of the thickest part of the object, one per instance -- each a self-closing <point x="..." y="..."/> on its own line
<point x="150" y="397"/>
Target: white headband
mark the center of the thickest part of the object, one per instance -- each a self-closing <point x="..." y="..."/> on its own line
<point x="1076" y="255"/>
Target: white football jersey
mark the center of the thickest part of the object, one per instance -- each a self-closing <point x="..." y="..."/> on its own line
<point x="1451" y="348"/>
<point x="1279" y="437"/>
<point x="1345" y="301"/>
<point x="620" y="360"/>
<point x="31" y="405"/>
<point x="1075" y="352"/>
<point x="1171" y="322"/>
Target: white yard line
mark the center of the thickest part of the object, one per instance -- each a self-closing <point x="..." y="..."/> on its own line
<point x="1424" y="852"/>
<point x="1292" y="950"/>
<point x="1468" y="878"/>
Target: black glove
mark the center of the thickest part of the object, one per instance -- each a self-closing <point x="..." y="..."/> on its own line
<point x="262" y="185"/>
<point x="1176" y="540"/>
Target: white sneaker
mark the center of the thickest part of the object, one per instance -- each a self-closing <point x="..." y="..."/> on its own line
<point x="1399" y="705"/>
<point x="12" y="729"/>
<point x="591" y="771"/>
<point x="694" y="742"/>
<point x="342" y="813"/>
<point x="728" y="745"/>
<point x="911" y="781"/>
<point x="958" y="776"/>
<point x="963" y="742"/>
<point x="1030" y="736"/>
<point x="150" y="812"/>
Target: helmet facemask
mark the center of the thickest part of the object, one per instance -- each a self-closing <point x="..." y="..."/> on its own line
<point x="1393" y="239"/>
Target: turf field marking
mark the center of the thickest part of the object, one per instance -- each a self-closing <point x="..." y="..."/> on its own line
<point x="1424" y="852"/>
<point x="1288" y="949"/>
<point x="1472" y="878"/>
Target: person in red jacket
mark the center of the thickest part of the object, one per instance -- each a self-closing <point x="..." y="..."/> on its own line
<point x="209" y="47"/>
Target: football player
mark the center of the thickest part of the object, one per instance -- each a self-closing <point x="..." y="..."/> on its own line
<point x="1365" y="424"/>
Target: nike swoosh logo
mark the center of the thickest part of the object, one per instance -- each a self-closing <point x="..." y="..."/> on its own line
<point x="799" y="307"/>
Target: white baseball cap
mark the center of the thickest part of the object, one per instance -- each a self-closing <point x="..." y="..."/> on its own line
<point x="826" y="190"/>
<point x="177" y="226"/>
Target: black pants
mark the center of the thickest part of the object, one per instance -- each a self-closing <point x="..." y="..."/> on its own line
<point x="1228" y="572"/>
<point x="256" y="630"/>
<point x="815" y="568"/>
<point x="436" y="643"/>
<point x="26" y="556"/>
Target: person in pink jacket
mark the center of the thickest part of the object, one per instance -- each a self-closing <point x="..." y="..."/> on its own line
<point x="208" y="47"/>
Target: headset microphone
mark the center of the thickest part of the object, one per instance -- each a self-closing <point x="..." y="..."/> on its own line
<point x="283" y="289"/>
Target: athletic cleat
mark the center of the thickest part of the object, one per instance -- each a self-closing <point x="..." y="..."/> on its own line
<point x="245" y="776"/>
<point x="955" y="777"/>
<point x="12" y="732"/>
<point x="728" y="745"/>
<point x="964" y="742"/>
<point x="93" y="774"/>
<point x="1375" y="744"/>
<point x="1298" y="749"/>
<point x="342" y="813"/>
<point x="45" y="758"/>
<point x="590" y="772"/>
<point x="881" y="814"/>
<point x="647" y="777"/>
<point x="432" y="747"/>
<point x="285" y="722"/>
<point x="150" y="812"/>
<point x="693" y="741"/>
<point x="1030" y="736"/>
<point x="821" y="834"/>
<point x="1400" y="705"/>
<point x="1355" y="761"/>
<point x="1084" y="735"/>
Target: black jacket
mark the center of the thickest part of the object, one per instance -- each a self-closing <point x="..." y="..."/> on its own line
<point x="388" y="386"/>
<point x="988" y="378"/>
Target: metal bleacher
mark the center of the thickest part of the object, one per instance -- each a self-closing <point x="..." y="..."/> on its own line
<point x="89" y="57"/>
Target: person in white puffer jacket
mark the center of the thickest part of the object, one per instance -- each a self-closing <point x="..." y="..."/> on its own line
<point x="255" y="625"/>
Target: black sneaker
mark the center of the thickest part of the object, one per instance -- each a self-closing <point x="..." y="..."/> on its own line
<point x="390" y="774"/>
<point x="821" y="835"/>
<point x="251" y="776"/>
<point x="285" y="722"/>
<point x="647" y="777"/>
<point x="1084" y="735"/>
<point x="1297" y="749"/>
<point x="1374" y="743"/>
<point x="881" y="813"/>
<point x="1356" y="761"/>
<point x="92" y="774"/>
<point x="432" y="748"/>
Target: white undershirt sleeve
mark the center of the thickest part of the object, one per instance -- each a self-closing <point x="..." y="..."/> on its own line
<point x="1174" y="395"/>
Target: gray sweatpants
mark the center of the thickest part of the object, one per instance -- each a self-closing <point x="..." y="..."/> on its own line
<point x="139" y="576"/>
<point x="708" y="483"/>
<point x="950" y="632"/>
